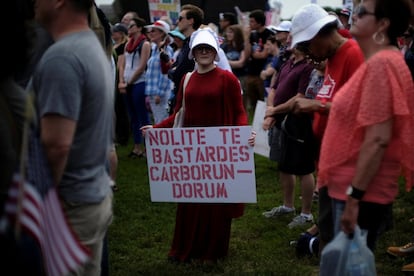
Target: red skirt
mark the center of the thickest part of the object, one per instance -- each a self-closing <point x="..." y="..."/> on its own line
<point x="202" y="231"/>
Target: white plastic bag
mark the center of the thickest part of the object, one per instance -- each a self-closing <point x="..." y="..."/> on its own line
<point x="345" y="256"/>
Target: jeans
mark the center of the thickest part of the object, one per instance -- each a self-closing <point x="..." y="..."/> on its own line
<point x="137" y="109"/>
<point x="372" y="217"/>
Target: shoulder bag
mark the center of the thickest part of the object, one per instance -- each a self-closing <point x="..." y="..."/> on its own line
<point x="179" y="116"/>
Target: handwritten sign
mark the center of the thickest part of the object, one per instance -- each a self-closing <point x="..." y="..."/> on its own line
<point x="160" y="8"/>
<point x="210" y="165"/>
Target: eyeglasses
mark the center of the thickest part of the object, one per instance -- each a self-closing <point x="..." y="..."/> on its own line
<point x="206" y="49"/>
<point x="132" y="25"/>
<point x="361" y="11"/>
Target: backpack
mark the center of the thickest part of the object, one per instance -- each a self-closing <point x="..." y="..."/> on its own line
<point x="99" y="24"/>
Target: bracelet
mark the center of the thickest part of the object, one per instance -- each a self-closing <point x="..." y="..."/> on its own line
<point x="355" y="192"/>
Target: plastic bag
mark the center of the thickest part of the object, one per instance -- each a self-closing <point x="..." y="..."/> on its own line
<point x="348" y="256"/>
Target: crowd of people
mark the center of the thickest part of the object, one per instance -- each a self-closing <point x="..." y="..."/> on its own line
<point x="336" y="85"/>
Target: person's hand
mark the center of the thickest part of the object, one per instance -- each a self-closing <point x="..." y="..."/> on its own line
<point x="263" y="75"/>
<point x="157" y="99"/>
<point x="252" y="138"/>
<point x="144" y="129"/>
<point x="268" y="123"/>
<point x="269" y="111"/>
<point x="122" y="87"/>
<point x="246" y="32"/>
<point x="349" y="217"/>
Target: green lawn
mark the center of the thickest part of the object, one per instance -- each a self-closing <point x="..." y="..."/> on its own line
<point x="141" y="233"/>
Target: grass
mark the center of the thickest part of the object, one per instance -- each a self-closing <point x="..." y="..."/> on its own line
<point x="141" y="233"/>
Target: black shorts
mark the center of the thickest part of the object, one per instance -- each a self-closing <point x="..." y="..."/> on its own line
<point x="298" y="145"/>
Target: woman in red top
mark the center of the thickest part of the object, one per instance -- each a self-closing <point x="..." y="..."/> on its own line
<point x="368" y="140"/>
<point x="212" y="98"/>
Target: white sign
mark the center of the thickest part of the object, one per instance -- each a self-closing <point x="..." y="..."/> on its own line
<point x="205" y="165"/>
<point x="261" y="145"/>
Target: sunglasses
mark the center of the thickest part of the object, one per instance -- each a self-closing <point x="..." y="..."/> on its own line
<point x="132" y="25"/>
<point x="206" y="49"/>
<point x="361" y="11"/>
<point x="181" y="18"/>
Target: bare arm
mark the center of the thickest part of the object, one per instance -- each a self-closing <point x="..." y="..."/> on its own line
<point x="57" y="136"/>
<point x="271" y="97"/>
<point x="284" y="107"/>
<point x="145" y="54"/>
<point x="273" y="79"/>
<point x="268" y="121"/>
<point x="267" y="72"/>
<point x="247" y="45"/>
<point x="121" y="69"/>
<point x="377" y="138"/>
<point x="310" y="105"/>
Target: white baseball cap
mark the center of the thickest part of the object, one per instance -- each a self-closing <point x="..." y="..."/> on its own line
<point x="161" y="25"/>
<point x="204" y="36"/>
<point x="271" y="28"/>
<point x="284" y="26"/>
<point x="307" y="22"/>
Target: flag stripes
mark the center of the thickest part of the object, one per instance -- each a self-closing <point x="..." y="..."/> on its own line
<point x="44" y="219"/>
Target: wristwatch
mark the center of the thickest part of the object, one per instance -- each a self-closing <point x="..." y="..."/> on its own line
<point x="355" y="193"/>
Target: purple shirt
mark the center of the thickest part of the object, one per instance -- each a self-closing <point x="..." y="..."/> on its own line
<point x="293" y="78"/>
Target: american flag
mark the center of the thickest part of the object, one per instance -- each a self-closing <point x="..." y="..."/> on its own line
<point x="33" y="206"/>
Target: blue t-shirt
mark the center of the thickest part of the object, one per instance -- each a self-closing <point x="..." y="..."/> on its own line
<point x="232" y="55"/>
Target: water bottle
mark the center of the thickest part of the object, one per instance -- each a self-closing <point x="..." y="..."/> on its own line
<point x="356" y="265"/>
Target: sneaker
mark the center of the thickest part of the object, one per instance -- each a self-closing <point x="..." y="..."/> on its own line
<point x="278" y="211"/>
<point x="112" y="184"/>
<point x="300" y="221"/>
<point x="401" y="251"/>
<point x="307" y="245"/>
<point x="408" y="268"/>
